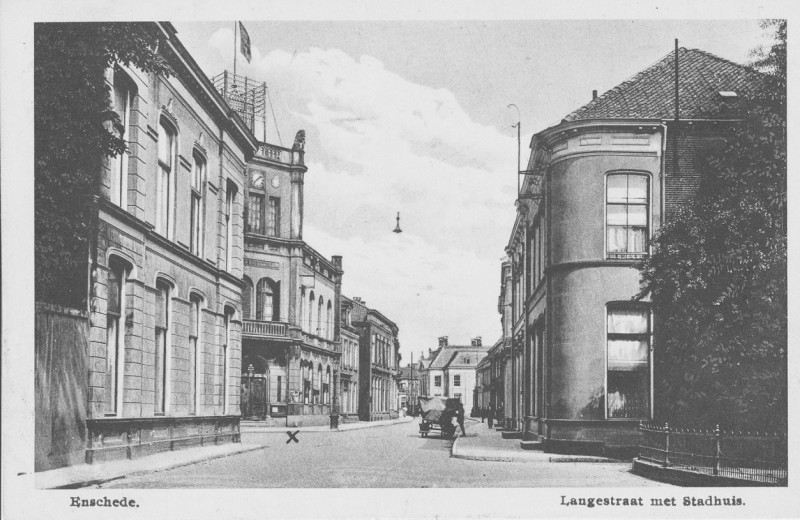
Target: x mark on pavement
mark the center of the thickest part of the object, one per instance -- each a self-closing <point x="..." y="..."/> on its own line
<point x="292" y="436"/>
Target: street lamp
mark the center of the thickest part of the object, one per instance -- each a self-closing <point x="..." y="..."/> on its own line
<point x="250" y="371"/>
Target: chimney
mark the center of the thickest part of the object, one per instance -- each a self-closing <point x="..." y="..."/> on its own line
<point x="476" y="341"/>
<point x="429" y="353"/>
<point x="594" y="94"/>
<point x="442" y="341"/>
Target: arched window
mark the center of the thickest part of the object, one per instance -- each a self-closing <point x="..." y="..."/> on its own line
<point x="268" y="304"/>
<point x="162" y="359"/>
<point x="320" y="317"/>
<point x="311" y="313"/>
<point x="227" y="337"/>
<point x="124" y="94"/>
<point x="230" y="207"/>
<point x="247" y="299"/>
<point x="166" y="178"/>
<point x="318" y="391"/>
<point x="327" y="388"/>
<point x="302" y="306"/>
<point x="115" y="334"/>
<point x="306" y="383"/>
<point x="329" y="322"/>
<point x="195" y="327"/>
<point x="197" y="207"/>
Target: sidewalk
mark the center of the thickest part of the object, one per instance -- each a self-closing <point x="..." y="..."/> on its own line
<point x="481" y="443"/>
<point x="256" y="427"/>
<point x="85" y="475"/>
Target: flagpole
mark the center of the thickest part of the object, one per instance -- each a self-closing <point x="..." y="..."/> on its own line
<point x="234" y="53"/>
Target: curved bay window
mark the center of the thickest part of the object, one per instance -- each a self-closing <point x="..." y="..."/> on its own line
<point x="628" y="350"/>
<point x="268" y="302"/>
<point x="627" y="215"/>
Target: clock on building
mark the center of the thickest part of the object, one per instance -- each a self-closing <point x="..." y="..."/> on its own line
<point x="257" y="180"/>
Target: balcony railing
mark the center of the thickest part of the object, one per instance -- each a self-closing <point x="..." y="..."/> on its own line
<point x="265" y="329"/>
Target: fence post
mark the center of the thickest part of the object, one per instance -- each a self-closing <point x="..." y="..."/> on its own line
<point x="716" y="449"/>
<point x="666" y="445"/>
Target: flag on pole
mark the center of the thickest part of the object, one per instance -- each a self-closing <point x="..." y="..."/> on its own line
<point x="244" y="42"/>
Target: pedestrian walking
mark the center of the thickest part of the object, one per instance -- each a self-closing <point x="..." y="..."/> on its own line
<point x="483" y="414"/>
<point x="460" y="418"/>
<point x="490" y="414"/>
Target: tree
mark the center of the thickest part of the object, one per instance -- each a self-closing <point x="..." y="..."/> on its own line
<point x="717" y="275"/>
<point x="72" y="115"/>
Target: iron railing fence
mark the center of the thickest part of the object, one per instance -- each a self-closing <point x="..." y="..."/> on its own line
<point x="754" y="456"/>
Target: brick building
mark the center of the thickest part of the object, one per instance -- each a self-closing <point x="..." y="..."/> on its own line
<point x="597" y="186"/>
<point x="166" y="290"/>
<point x="378" y="361"/>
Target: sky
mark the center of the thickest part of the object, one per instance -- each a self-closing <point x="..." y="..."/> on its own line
<point x="413" y="116"/>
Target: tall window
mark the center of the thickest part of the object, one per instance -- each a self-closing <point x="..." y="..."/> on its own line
<point x="197" y="207"/>
<point x="320" y="316"/>
<point x="274" y="217"/>
<point x="628" y="379"/>
<point x="115" y="337"/>
<point x="318" y="385"/>
<point x="329" y="321"/>
<point x="456" y="380"/>
<point x="194" y="353"/>
<point x="255" y="213"/>
<point x="326" y="398"/>
<point x="311" y="312"/>
<point x="225" y="361"/>
<point x="306" y="384"/>
<point x="162" y="346"/>
<point x="437" y="380"/>
<point x="124" y="92"/>
<point x="268" y="305"/>
<point x="230" y="199"/>
<point x="626" y="215"/>
<point x="166" y="162"/>
<point x="247" y="299"/>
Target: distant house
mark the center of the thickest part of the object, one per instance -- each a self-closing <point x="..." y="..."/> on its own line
<point x="451" y="373"/>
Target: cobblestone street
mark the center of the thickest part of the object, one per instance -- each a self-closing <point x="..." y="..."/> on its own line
<point x="383" y="457"/>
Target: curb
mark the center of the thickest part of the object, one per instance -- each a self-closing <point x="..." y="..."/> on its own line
<point x="324" y="429"/>
<point x="102" y="480"/>
<point x="504" y="456"/>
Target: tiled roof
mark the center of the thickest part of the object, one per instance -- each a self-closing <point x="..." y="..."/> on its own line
<point x="650" y="94"/>
<point x="448" y="353"/>
<point x="473" y="355"/>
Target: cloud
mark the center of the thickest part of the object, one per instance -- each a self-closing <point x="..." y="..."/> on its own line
<point x="378" y="144"/>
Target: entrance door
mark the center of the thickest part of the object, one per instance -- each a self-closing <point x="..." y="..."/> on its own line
<point x="254" y="397"/>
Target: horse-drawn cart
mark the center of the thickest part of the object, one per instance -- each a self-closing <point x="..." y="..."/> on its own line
<point x="437" y="413"/>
